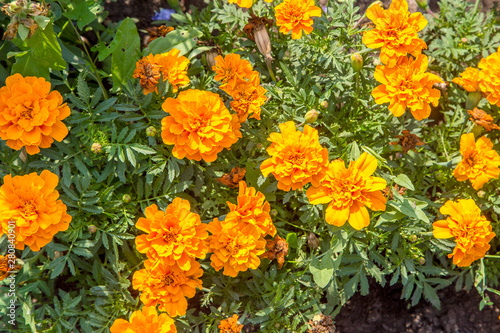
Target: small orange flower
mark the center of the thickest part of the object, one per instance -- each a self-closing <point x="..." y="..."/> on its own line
<point x="276" y="249"/>
<point x="407" y="85"/>
<point x="233" y="178"/>
<point x="176" y="235"/>
<point x="348" y="191"/>
<point x="231" y="70"/>
<point x="31" y="201"/>
<point x="469" y="79"/>
<point x="248" y="97"/>
<point x="295" y="16"/>
<point x="396" y="32"/>
<point x="167" y="286"/>
<point x="489" y="77"/>
<point x="479" y="161"/>
<point x="482" y="119"/>
<point x="30" y="114"/>
<point x="157" y="32"/>
<point x="145" y="320"/>
<point x="408" y="141"/>
<point x="230" y="325"/>
<point x="199" y="125"/>
<point x="242" y="3"/>
<point x="6" y="266"/>
<point x="472" y="231"/>
<point x="297" y="158"/>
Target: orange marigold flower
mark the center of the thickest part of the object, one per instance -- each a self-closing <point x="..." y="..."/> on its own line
<point x="230" y="325"/>
<point x="176" y="235"/>
<point x="252" y="208"/>
<point x="30" y="114"/>
<point x="145" y="320"/>
<point x="233" y="178"/>
<point x="235" y="246"/>
<point x="297" y="158"/>
<point x="482" y="119"/>
<point x="276" y="249"/>
<point x="407" y="85"/>
<point x="31" y="201"/>
<point x="469" y="79"/>
<point x="489" y="77"/>
<point x="472" y="231"/>
<point x="242" y="3"/>
<point x="295" y="16"/>
<point x="167" y="286"/>
<point x="248" y="97"/>
<point x="199" y="125"/>
<point x="479" y="161"/>
<point x="7" y="265"/>
<point x="396" y="32"/>
<point x="408" y="141"/>
<point x="349" y="190"/>
<point x="231" y="70"/>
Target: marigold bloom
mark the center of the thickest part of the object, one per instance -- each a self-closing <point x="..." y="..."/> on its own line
<point x="145" y="320"/>
<point x="408" y="141"/>
<point x="242" y="3"/>
<point x="295" y="16"/>
<point x="276" y="249"/>
<point x="483" y="119"/>
<point x="233" y="178"/>
<point x="479" y="161"/>
<point x="167" y="286"/>
<point x="30" y="114"/>
<point x="252" y="208"/>
<point x="199" y="125"/>
<point x="248" y="97"/>
<point x="489" y="77"/>
<point x="349" y="190"/>
<point x="396" y="32"/>
<point x="297" y="158"/>
<point x="407" y="85"/>
<point x="176" y="235"/>
<point x="469" y="79"/>
<point x="231" y="70"/>
<point x="472" y="231"/>
<point x="31" y="201"/>
<point x="6" y="266"/>
<point x="230" y="325"/>
<point x="235" y="246"/>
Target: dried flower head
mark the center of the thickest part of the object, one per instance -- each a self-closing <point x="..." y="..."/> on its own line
<point x="483" y="119"/>
<point x="276" y="249"/>
<point x="408" y="141"/>
<point x="469" y="79"/>
<point x="295" y="16"/>
<point x="233" y="178"/>
<point x="157" y="32"/>
<point x="148" y="72"/>
<point x="230" y="325"/>
<point x="145" y="320"/>
<point x="7" y="265"/>
<point x="321" y="324"/>
<point x="489" y="77"/>
<point x="256" y="30"/>
<point x="23" y="12"/>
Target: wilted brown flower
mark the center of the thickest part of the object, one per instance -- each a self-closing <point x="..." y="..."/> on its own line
<point x="483" y="119"/>
<point x="148" y="72"/>
<point x="312" y="241"/>
<point x="232" y="178"/>
<point x="388" y="193"/>
<point x="276" y="249"/>
<point x="321" y="324"/>
<point x="256" y="30"/>
<point x="408" y="141"/>
<point x="156" y="32"/>
<point x="22" y="12"/>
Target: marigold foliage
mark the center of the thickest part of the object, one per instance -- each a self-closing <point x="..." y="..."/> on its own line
<point x="32" y="202"/>
<point x="472" y="231"/>
<point x="348" y="191"/>
<point x="230" y="325"/>
<point x="30" y="114"/>
<point x="232" y="70"/>
<point x="199" y="125"/>
<point x="489" y="77"/>
<point x="295" y="16"/>
<point x="479" y="161"/>
<point x="469" y="79"/>
<point x="145" y="320"/>
<point x="481" y="118"/>
<point x="297" y="158"/>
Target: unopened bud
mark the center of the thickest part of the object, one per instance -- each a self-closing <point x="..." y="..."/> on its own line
<point x="211" y="55"/>
<point x="57" y="254"/>
<point x="464" y="40"/>
<point x="96" y="147"/>
<point x="311" y="116"/>
<point x="92" y="229"/>
<point x="421" y="261"/>
<point x="263" y="42"/>
<point x="422" y="4"/>
<point x="473" y="100"/>
<point x="151" y="131"/>
<point x="258" y="146"/>
<point x="273" y="212"/>
<point x="481" y="194"/>
<point x="413" y="238"/>
<point x="324" y="104"/>
<point x="356" y="62"/>
<point x="126" y="198"/>
<point x="312" y="241"/>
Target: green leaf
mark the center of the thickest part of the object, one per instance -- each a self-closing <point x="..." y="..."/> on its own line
<point x="84" y="13"/>
<point x="125" y="56"/>
<point x="25" y="65"/>
<point x="42" y="21"/>
<point x="291" y="239"/>
<point x="182" y="40"/>
<point x="431" y="295"/>
<point x="23" y="32"/>
<point x="322" y="271"/>
<point x="403" y="180"/>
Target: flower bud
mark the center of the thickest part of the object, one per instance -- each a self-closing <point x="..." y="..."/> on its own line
<point x="356" y="62"/>
<point x="258" y="146"/>
<point x="464" y="40"/>
<point x="421" y="261"/>
<point x="273" y="212"/>
<point x="413" y="238"/>
<point x="151" y="131"/>
<point x="472" y="100"/>
<point x="263" y="42"/>
<point x="311" y="116"/>
<point x="211" y="55"/>
<point x="92" y="229"/>
<point x="126" y="198"/>
<point x="57" y="254"/>
<point x="96" y="147"/>
<point x="324" y="104"/>
<point x="312" y="241"/>
<point x="422" y="4"/>
<point x="481" y="194"/>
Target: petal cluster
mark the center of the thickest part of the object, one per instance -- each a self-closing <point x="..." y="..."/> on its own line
<point x="481" y="118"/>
<point x="295" y="16"/>
<point x="231" y="70"/>
<point x="30" y="114"/>
<point x="248" y="97"/>
<point x="145" y="320"/>
<point x="469" y="79"/>
<point x="489" y="77"/>
<point x="230" y="325"/>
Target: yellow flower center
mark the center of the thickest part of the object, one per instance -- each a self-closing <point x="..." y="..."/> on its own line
<point x="297" y="158"/>
<point x="168" y="280"/>
<point x="169" y="236"/>
<point x="28" y="210"/>
<point x="199" y="123"/>
<point x="234" y="249"/>
<point x="27" y="113"/>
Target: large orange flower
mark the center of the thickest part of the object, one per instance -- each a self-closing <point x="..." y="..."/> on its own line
<point x="348" y="191"/>
<point x="469" y="79"/>
<point x="472" y="231"/>
<point x="230" y="325"/>
<point x="32" y="202"/>
<point x="479" y="161"/>
<point x="167" y="286"/>
<point x="30" y="114"/>
<point x="489" y="77"/>
<point x="407" y="85"/>
<point x="145" y="320"/>
<point x="248" y="97"/>
<point x="231" y="70"/>
<point x="297" y="158"/>
<point x="242" y="3"/>
<point x="396" y="32"/>
<point x="176" y="235"/>
<point x="295" y="16"/>
<point x="199" y="125"/>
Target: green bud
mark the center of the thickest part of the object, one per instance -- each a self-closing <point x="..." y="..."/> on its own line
<point x="258" y="146"/>
<point x="421" y="261"/>
<point x="96" y="147"/>
<point x="311" y="116"/>
<point x="413" y="238"/>
<point x="273" y="212"/>
<point x="324" y="104"/>
<point x="481" y="194"/>
<point x="356" y="62"/>
<point x="422" y="4"/>
<point x="92" y="229"/>
<point x="126" y="198"/>
<point x="151" y="131"/>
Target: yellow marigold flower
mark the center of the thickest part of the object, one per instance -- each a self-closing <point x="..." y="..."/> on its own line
<point x="176" y="235"/>
<point x="145" y="320"/>
<point x="469" y="79"/>
<point x="481" y="118"/>
<point x="479" y="161"/>
<point x="6" y="266"/>
<point x="395" y="32"/>
<point x="348" y="191"/>
<point x="242" y="3"/>
<point x="230" y="325"/>
<point x="407" y="85"/>
<point x="235" y="246"/>
<point x="295" y="16"/>
<point x="31" y="202"/>
<point x="30" y="114"/>
<point x="489" y="77"/>
<point x="231" y="70"/>
<point x="248" y="97"/>
<point x="199" y="125"/>
<point x="472" y="231"/>
<point x="167" y="286"/>
<point x="297" y="158"/>
<point x="252" y="208"/>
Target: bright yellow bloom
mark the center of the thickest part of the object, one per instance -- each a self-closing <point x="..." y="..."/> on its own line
<point x="297" y="158"/>
<point x="479" y="161"/>
<point x="230" y="325"/>
<point x="407" y="85"/>
<point x="469" y="79"/>
<point x="199" y="125"/>
<point x="30" y="114"/>
<point x="295" y="16"/>
<point x="396" y="32"/>
<point x="231" y="70"/>
<point x="242" y="3"/>
<point x="472" y="231"/>
<point x="167" y="286"/>
<point x="248" y="97"/>
<point x="176" y="235"/>
<point x="489" y="77"/>
<point x="145" y="320"/>
<point x="348" y="191"/>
